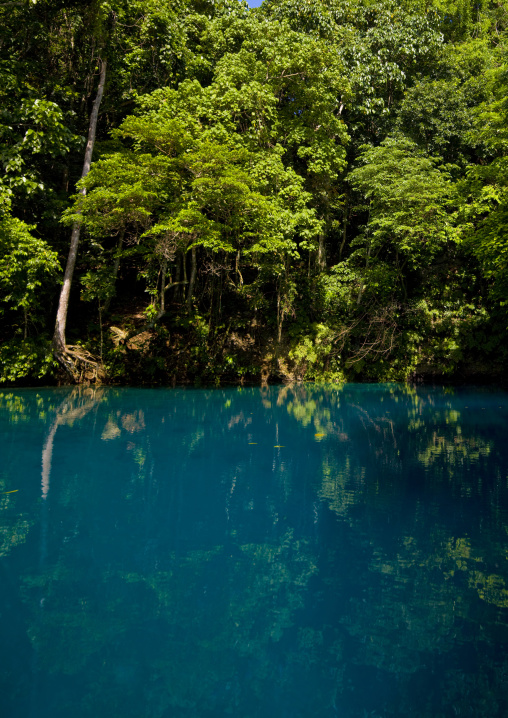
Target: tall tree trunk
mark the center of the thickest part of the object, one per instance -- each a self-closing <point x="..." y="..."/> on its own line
<point x="184" y="269"/>
<point x="321" y="257"/>
<point x="59" y="345"/>
<point x="162" y="308"/>
<point x="280" y="318"/>
<point x="321" y="254"/>
<point x="237" y="268"/>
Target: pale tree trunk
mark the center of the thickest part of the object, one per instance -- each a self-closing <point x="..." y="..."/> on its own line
<point x="237" y="268"/>
<point x="59" y="345"/>
<point x="164" y="270"/>
<point x="321" y="257"/>
<point x="280" y="318"/>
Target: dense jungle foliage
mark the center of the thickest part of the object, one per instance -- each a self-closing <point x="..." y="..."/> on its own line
<point x="315" y="189"/>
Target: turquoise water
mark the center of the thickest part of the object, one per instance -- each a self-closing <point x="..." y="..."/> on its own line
<point x="281" y="552"/>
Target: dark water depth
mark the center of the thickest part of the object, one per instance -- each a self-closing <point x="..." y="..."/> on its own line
<point x="293" y="552"/>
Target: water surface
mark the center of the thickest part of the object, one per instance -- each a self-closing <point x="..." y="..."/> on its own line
<point x="287" y="552"/>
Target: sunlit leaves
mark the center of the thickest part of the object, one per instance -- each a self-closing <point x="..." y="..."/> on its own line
<point x="35" y="128"/>
<point x="408" y="198"/>
<point x="26" y="263"/>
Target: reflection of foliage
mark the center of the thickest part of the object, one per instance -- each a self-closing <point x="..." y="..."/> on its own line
<point x="454" y="449"/>
<point x="27" y="406"/>
<point x="254" y="609"/>
<point x="14" y="532"/>
<point x="259" y="582"/>
<point x="339" y="487"/>
<point x="311" y="404"/>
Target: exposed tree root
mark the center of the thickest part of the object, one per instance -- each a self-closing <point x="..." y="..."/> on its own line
<point x="80" y="365"/>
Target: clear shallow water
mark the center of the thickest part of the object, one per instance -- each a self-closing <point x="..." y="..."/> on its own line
<point x="282" y="552"/>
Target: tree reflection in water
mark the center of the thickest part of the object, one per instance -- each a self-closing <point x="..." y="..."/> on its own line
<point x="287" y="551"/>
